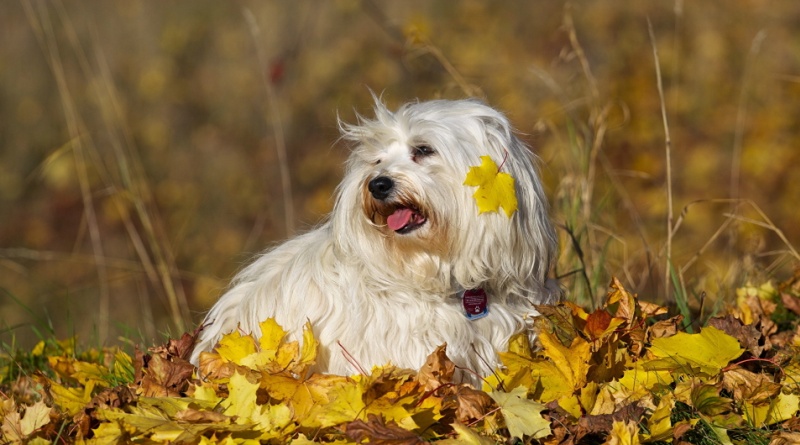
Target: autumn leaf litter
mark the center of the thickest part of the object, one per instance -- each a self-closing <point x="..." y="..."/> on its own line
<point x="625" y="373"/>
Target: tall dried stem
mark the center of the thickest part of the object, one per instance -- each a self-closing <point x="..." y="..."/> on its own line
<point x="668" y="160"/>
<point x="274" y="122"/>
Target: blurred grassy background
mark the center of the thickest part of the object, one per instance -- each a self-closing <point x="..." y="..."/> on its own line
<point x="141" y="142"/>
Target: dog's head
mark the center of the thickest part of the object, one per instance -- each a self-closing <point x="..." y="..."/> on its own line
<point x="404" y="193"/>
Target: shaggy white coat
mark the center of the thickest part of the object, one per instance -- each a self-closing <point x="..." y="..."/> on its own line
<point x="374" y="295"/>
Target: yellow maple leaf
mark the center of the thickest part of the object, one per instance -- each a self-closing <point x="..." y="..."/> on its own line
<point x="16" y="427"/>
<point x="495" y="188"/>
<point x="566" y="369"/>
<point x="623" y="433"/>
<point x="520" y="345"/>
<point x="308" y="353"/>
<point x="147" y="421"/>
<point x="241" y="401"/>
<point x="394" y="411"/>
<point x="86" y="372"/>
<point x="571" y="404"/>
<point x="588" y="396"/>
<point x="204" y="392"/>
<point x="523" y="417"/>
<point x="782" y="407"/>
<point x="561" y="372"/>
<point x="272" y="335"/>
<point x="302" y="395"/>
<point x="272" y="420"/>
<point x="109" y="432"/>
<point x="660" y="423"/>
<point x="709" y="351"/>
<point x="71" y="400"/>
<point x="302" y="439"/>
<point x="272" y="352"/>
<point x="637" y="382"/>
<point x="346" y="404"/>
<point x="465" y="436"/>
<point x="234" y="347"/>
<point x="550" y="383"/>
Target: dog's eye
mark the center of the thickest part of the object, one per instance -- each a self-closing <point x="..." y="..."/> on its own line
<point x="421" y="151"/>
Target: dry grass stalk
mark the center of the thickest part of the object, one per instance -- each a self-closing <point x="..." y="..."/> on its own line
<point x="275" y="123"/>
<point x="668" y="160"/>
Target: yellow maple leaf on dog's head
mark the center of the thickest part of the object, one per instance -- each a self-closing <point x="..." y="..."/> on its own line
<point x="495" y="188"/>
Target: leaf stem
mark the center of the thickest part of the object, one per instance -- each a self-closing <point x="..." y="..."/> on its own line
<point x="505" y="157"/>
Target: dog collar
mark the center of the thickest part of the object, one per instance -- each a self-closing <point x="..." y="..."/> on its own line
<point x="475" y="303"/>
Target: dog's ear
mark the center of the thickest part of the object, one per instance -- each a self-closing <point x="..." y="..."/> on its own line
<point x="514" y="254"/>
<point x="534" y="231"/>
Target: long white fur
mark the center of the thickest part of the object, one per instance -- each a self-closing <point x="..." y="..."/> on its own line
<point x="378" y="296"/>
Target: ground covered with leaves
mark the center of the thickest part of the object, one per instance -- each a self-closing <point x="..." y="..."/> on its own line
<point x="625" y="373"/>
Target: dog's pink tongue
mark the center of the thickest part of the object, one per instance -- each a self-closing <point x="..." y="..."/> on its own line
<point x="399" y="219"/>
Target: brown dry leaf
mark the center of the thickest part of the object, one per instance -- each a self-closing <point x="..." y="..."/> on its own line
<point x="749" y="386"/>
<point x="214" y="367"/>
<point x="438" y="370"/>
<point x="791" y="303"/>
<point x="627" y="301"/>
<point x="792" y="282"/>
<point x="650" y="309"/>
<point x="181" y="347"/>
<point x="792" y="424"/>
<point x="665" y="328"/>
<point x="597" y="322"/>
<point x="782" y="339"/>
<point x="559" y="436"/>
<point x="680" y="429"/>
<point x="161" y="374"/>
<point x="749" y="337"/>
<point x="558" y="320"/>
<point x="767" y="327"/>
<point x="600" y="325"/>
<point x="604" y="422"/>
<point x="784" y="438"/>
<point x="113" y="398"/>
<point x="165" y="370"/>
<point x="471" y="403"/>
<point x="390" y="382"/>
<point x="636" y="342"/>
<point x="376" y="431"/>
<point x="190" y="415"/>
<point x="756" y="305"/>
<point x="22" y="421"/>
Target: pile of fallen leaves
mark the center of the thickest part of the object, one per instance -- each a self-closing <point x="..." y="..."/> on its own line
<point x="622" y="374"/>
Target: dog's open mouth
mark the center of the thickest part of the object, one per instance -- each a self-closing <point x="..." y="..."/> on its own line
<point x="405" y="219"/>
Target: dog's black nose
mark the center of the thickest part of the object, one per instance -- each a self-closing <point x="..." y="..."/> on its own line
<point x="380" y="187"/>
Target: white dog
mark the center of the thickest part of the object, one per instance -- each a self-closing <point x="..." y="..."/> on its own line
<point x="384" y="278"/>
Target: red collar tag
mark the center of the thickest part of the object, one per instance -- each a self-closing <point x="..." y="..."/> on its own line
<point x="475" y="302"/>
